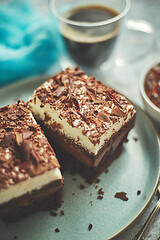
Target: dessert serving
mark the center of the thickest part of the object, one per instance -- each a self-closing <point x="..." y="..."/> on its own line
<point x="85" y="117"/>
<point x="30" y="179"/>
<point x="150" y="90"/>
<point x="152" y="85"/>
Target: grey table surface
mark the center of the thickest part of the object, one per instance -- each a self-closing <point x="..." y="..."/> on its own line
<point x="126" y="80"/>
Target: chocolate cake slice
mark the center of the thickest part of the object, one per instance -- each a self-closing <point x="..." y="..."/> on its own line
<point x="85" y="117"/>
<point x="30" y="179"/>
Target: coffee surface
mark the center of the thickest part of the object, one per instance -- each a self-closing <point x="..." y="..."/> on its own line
<point x="90" y="46"/>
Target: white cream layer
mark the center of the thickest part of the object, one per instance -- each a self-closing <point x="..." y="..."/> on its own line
<point x="73" y="132"/>
<point x="27" y="186"/>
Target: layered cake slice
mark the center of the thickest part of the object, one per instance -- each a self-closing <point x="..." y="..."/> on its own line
<point x="30" y="179"/>
<point x="86" y="118"/>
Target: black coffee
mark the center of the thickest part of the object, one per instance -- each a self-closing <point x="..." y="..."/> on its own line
<point x="90" y="46"/>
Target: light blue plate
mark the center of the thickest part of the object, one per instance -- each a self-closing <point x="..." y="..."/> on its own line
<point x="136" y="169"/>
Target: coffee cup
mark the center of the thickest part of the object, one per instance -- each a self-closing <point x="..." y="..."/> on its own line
<point x="90" y="30"/>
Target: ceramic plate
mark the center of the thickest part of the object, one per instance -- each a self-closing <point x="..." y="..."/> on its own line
<point x="137" y="169"/>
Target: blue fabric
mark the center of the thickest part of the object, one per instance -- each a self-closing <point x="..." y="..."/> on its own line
<point x="28" y="41"/>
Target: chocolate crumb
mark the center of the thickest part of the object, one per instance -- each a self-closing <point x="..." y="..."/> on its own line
<point x="82" y="186"/>
<point x="106" y="171"/>
<point x="90" y="227"/>
<point x="135" y="139"/>
<point x="138" y="192"/>
<point x="96" y="186"/>
<point x="73" y="194"/>
<point x="98" y="180"/>
<point x="90" y="194"/>
<point x="127" y="140"/>
<point x="100" y="197"/>
<point x="57" y="230"/>
<point x="74" y="179"/>
<point x="100" y="192"/>
<point x="122" y="196"/>
<point x="15" y="238"/>
<point x="61" y="213"/>
<point x="54" y="214"/>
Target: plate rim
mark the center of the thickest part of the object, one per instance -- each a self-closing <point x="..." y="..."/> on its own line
<point x="157" y="182"/>
<point x="38" y="78"/>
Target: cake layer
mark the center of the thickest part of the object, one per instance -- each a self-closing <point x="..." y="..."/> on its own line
<point x="47" y="198"/>
<point x="30" y="184"/>
<point x="27" y="161"/>
<point x="81" y="154"/>
<point x="90" y="174"/>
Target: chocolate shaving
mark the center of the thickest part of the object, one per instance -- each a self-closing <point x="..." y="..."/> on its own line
<point x="19" y="138"/>
<point x="114" y="99"/>
<point x="117" y="112"/>
<point x="35" y="156"/>
<point x="27" y="133"/>
<point x="138" y="192"/>
<point x="78" y="73"/>
<point x="18" y="102"/>
<point x="24" y="109"/>
<point x="91" y="95"/>
<point x="122" y="196"/>
<point x="36" y="169"/>
<point x="19" y="113"/>
<point x="90" y="227"/>
<point x="103" y="117"/>
<point x="76" y="103"/>
<point x="58" y="79"/>
<point x="83" y="116"/>
<point x="59" y="91"/>
<point x="34" y="100"/>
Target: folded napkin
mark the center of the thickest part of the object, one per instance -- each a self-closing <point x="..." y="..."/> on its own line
<point x="28" y="41"/>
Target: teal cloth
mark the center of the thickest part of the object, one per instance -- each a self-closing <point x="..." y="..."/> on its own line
<point x="28" y="41"/>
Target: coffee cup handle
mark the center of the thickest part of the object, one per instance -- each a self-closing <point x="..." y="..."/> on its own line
<point x="139" y="26"/>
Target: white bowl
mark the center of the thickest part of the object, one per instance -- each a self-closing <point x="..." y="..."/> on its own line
<point x="152" y="110"/>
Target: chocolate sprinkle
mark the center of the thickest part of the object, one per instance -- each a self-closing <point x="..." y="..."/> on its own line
<point x="57" y="230"/>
